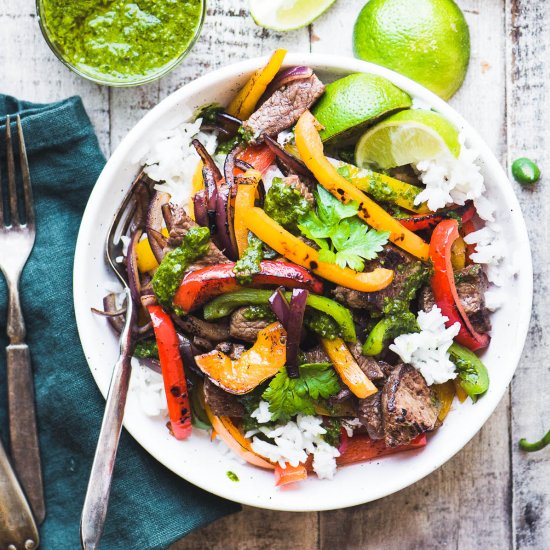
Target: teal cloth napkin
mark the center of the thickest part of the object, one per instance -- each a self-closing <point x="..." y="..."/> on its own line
<point x="150" y="507"/>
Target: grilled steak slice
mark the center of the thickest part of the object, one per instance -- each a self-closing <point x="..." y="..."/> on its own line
<point x="221" y="402"/>
<point x="376" y="371"/>
<point x="230" y="348"/>
<point x="369" y="412"/>
<point x="408" y="407"/>
<point x="216" y="332"/>
<point x="181" y="223"/>
<point x="471" y="284"/>
<point x="316" y="355"/>
<point x="406" y="269"/>
<point x="283" y="109"/>
<point x="243" y="329"/>
<point x="296" y="183"/>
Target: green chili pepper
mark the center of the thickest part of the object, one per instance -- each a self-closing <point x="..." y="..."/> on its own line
<point x="537" y="445"/>
<point x="472" y="373"/>
<point x="525" y="171"/>
<point x="223" y="305"/>
<point x="387" y="329"/>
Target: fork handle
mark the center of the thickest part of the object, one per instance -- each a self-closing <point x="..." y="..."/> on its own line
<point x="17" y="526"/>
<point x="24" y="447"/>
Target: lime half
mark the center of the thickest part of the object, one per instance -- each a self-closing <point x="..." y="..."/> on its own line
<point x="355" y="102"/>
<point x="287" y="15"/>
<point x="407" y="137"/>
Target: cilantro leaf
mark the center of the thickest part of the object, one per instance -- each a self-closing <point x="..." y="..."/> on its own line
<point x="290" y="396"/>
<point x="331" y="210"/>
<point x="357" y="243"/>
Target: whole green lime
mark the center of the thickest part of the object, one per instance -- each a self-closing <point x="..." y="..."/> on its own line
<point x="426" y="40"/>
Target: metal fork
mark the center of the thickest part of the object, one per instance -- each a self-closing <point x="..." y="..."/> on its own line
<point x="16" y="243"/>
<point x="99" y="485"/>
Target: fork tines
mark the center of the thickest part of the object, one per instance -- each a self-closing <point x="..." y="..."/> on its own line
<point x="14" y="219"/>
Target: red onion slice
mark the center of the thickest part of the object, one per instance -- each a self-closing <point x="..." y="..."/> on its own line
<point x="296" y="165"/>
<point x="294" y="330"/>
<point x="153" y="223"/>
<point x="286" y="76"/>
<point x="280" y="306"/>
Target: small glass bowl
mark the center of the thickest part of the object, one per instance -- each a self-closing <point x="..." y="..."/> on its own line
<point x="165" y="69"/>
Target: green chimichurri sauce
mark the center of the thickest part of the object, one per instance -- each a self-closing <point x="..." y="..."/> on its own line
<point x="232" y="475"/>
<point x="119" y="40"/>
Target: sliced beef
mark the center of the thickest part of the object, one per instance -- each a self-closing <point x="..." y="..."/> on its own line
<point x="408" y="406"/>
<point x="376" y="371"/>
<point x="243" y="329"/>
<point x="316" y="355"/>
<point x="471" y="284"/>
<point x="180" y="225"/>
<point x="404" y="266"/>
<point x="216" y="332"/>
<point x="221" y="402"/>
<point x="296" y="183"/>
<point x="369" y="412"/>
<point x="232" y="349"/>
<point x="283" y="109"/>
<point x="406" y="173"/>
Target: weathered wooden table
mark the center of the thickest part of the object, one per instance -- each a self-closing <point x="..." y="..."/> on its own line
<point x="490" y="495"/>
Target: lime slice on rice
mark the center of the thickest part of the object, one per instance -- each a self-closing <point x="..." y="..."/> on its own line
<point x="287" y="15"/>
<point x="407" y="137"/>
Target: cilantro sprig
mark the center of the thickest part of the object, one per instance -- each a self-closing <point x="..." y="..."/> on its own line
<point x="290" y="396"/>
<point x="343" y="238"/>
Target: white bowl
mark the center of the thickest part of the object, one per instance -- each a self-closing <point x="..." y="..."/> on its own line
<point x="197" y="459"/>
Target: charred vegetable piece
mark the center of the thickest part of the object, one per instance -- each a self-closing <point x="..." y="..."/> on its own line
<point x="246" y="194"/>
<point x="444" y="287"/>
<point x="245" y="101"/>
<point x="348" y="369"/>
<point x="294" y="327"/>
<point x="204" y="284"/>
<point x="429" y="221"/>
<point x="175" y="384"/>
<point x="261" y="361"/>
<point x="311" y="151"/>
<point x="472" y="373"/>
<point x="225" y="304"/>
<point x="292" y="248"/>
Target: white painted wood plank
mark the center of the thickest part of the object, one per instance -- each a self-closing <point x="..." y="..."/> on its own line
<point x="413" y="518"/>
<point x="29" y="70"/>
<point x="528" y="107"/>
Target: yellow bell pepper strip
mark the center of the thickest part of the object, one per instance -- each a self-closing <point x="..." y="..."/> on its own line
<point x="445" y="394"/>
<point x="262" y="361"/>
<point x="245" y="101"/>
<point x="348" y="369"/>
<point x="197" y="184"/>
<point x="382" y="187"/>
<point x="311" y="151"/>
<point x="244" y="201"/>
<point x="224" y="428"/>
<point x="146" y="261"/>
<point x="458" y="254"/>
<point x="291" y="247"/>
<point x="460" y="391"/>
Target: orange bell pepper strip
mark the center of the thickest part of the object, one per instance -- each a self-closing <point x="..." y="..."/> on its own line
<point x="289" y="474"/>
<point x="262" y="361"/>
<point x="278" y="238"/>
<point x="361" y="448"/>
<point x="345" y="365"/>
<point x="311" y="151"/>
<point x="445" y="394"/>
<point x="245" y="101"/>
<point x="171" y="364"/>
<point x="235" y="440"/>
<point x="460" y="391"/>
<point x="244" y="201"/>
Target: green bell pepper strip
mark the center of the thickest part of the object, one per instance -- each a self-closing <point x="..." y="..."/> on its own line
<point x="472" y="373"/>
<point x="537" y="445"/>
<point x="223" y="305"/>
<point x="387" y="329"/>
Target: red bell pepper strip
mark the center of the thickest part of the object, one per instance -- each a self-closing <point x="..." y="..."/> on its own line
<point x="200" y="286"/>
<point x="171" y="364"/>
<point x="361" y="448"/>
<point x="289" y="474"/>
<point x="261" y="157"/>
<point x="418" y="222"/>
<point x="467" y="228"/>
<point x="444" y="288"/>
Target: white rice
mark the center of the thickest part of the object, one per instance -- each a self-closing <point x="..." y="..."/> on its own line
<point x="294" y="441"/>
<point x="172" y="160"/>
<point x="149" y="387"/>
<point x="427" y="350"/>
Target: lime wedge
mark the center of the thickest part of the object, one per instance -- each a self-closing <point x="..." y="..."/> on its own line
<point x="355" y="102"/>
<point x="287" y="15"/>
<point x="407" y="137"/>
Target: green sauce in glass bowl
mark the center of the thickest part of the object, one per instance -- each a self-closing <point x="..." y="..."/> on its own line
<point x="120" y="42"/>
